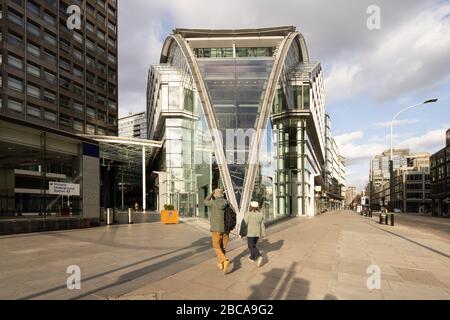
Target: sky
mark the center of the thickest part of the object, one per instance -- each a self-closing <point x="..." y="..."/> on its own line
<point x="370" y="74"/>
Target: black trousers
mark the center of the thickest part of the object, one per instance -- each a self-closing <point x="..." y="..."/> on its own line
<point x="254" y="252"/>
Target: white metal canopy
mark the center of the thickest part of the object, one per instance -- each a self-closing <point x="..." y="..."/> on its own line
<point x="132" y="152"/>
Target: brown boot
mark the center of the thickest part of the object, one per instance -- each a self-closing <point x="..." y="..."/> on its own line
<point x="226" y="267"/>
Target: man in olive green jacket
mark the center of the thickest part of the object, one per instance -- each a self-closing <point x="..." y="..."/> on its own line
<point x="217" y="204"/>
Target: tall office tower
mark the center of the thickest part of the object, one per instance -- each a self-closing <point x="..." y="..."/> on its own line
<point x="55" y="75"/>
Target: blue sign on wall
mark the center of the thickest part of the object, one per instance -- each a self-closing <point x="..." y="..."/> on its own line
<point x="91" y="150"/>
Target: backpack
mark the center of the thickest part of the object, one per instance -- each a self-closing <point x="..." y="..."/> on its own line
<point x="230" y="218"/>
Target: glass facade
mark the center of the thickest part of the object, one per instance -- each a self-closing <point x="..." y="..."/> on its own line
<point x="236" y="88"/>
<point x="219" y="89"/>
<point x="188" y="159"/>
<point x="27" y="169"/>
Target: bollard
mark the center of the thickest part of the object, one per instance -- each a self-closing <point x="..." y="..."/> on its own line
<point x="383" y="219"/>
<point x="109" y="217"/>
<point x="130" y="217"/>
<point x="392" y="219"/>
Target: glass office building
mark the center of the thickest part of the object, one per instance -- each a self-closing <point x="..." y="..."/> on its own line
<point x="242" y="110"/>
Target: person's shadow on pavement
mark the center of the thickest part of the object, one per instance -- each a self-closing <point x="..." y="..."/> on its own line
<point x="265" y="247"/>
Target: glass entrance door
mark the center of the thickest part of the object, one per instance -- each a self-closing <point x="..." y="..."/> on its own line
<point x="186" y="204"/>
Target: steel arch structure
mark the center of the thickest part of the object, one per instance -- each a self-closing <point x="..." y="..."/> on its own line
<point x="291" y="38"/>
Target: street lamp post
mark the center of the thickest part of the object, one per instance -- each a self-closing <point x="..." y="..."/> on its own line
<point x="391" y="161"/>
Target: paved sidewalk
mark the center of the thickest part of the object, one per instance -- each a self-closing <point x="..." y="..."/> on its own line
<point x="324" y="258"/>
<point x="113" y="260"/>
<point x="321" y="258"/>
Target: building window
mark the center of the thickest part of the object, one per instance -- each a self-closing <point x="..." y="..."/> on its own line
<point x="64" y="64"/>
<point x="49" y="19"/>
<point x="15" y="105"/>
<point x="64" y="101"/>
<point x="78" y="72"/>
<point x="78" y="90"/>
<point x="50" y="38"/>
<point x="101" y="18"/>
<point x="90" y="112"/>
<point x="50" y="57"/>
<point x="49" y="96"/>
<point x="90" y="129"/>
<point x="15" y="84"/>
<point x="111" y="42"/>
<point x="33" y="29"/>
<point x="16" y="18"/>
<point x="112" y="27"/>
<point x="64" y="120"/>
<point x="90" y="45"/>
<point x="112" y="105"/>
<point x="112" y="121"/>
<point x="77" y="106"/>
<point x="90" y="95"/>
<point x="64" y="83"/>
<point x="78" y="37"/>
<point x="101" y="35"/>
<point x="64" y="45"/>
<point x="111" y="11"/>
<point x="34" y="50"/>
<point x="90" y="9"/>
<point x="78" y="125"/>
<point x="15" y="40"/>
<point x="32" y="8"/>
<point x="78" y="55"/>
<point x="34" y="111"/>
<point x="50" y="76"/>
<point x="33" y="91"/>
<point x="111" y="58"/>
<point x="15" y="62"/>
<point x="50" y="116"/>
<point x="33" y="70"/>
<point x="89" y="26"/>
<point x="101" y="116"/>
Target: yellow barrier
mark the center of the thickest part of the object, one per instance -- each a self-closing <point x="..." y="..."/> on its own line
<point x="169" y="217"/>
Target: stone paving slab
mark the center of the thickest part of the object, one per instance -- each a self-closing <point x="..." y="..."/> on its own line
<point x="322" y="258"/>
<point x="310" y="265"/>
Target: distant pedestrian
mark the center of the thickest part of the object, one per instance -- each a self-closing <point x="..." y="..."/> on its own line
<point x="253" y="227"/>
<point x="217" y="205"/>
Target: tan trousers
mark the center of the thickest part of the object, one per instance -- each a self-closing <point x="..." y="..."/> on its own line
<point x="219" y="243"/>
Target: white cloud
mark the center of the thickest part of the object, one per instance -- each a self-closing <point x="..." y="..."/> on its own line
<point x="387" y="138"/>
<point x="340" y="32"/>
<point x="349" y="137"/>
<point x="387" y="124"/>
<point x="412" y="57"/>
<point x="358" y="152"/>
<point x="431" y="141"/>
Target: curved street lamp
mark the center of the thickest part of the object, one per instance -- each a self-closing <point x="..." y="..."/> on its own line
<point x="398" y="114"/>
<point x="391" y="162"/>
